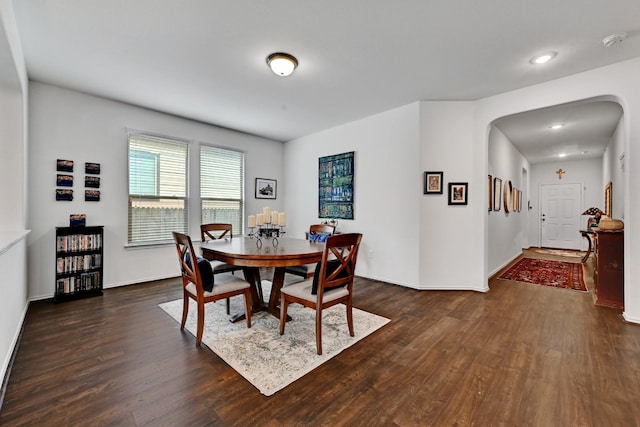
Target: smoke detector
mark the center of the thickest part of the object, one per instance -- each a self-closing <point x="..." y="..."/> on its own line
<point x="612" y="39"/>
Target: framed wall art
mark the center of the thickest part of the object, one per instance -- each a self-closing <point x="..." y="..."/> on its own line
<point x="91" y="195"/>
<point x="92" y="168"/>
<point x="64" y="165"/>
<point x="458" y="194"/>
<point x="607" y="200"/>
<point x="497" y="193"/>
<point x="433" y="182"/>
<point x="266" y="188"/>
<point x="490" y="193"/>
<point x="508" y="196"/>
<point x="92" y="181"/>
<point x="63" y="180"/>
<point x="335" y="186"/>
<point x="64" y="195"/>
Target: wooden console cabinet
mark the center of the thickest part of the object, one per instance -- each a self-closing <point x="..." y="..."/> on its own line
<point x="608" y="269"/>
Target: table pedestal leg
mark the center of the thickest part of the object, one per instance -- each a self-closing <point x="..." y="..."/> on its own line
<point x="274" y="299"/>
<point x="252" y="275"/>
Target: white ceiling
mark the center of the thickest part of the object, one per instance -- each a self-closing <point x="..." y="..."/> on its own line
<point x="205" y="59"/>
<point x="586" y="131"/>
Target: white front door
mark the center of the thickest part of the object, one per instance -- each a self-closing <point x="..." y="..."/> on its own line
<point x="560" y="218"/>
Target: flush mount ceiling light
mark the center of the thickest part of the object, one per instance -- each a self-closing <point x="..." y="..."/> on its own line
<point x="544" y="58"/>
<point x="282" y="64"/>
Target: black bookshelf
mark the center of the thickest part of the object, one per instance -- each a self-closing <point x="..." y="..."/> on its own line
<point x="79" y="261"/>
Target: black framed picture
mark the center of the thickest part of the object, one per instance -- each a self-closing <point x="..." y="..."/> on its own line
<point x="458" y="194"/>
<point x="64" y="165"/>
<point x="64" y="180"/>
<point x="92" y="168"/>
<point x="433" y="182"/>
<point x="92" y="181"/>
<point x="266" y="188"/>
<point x="64" y="194"/>
<point x="91" y="195"/>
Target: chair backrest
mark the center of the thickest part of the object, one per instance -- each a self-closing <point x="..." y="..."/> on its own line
<point x="188" y="260"/>
<point x="322" y="228"/>
<point x="215" y="231"/>
<point x="338" y="265"/>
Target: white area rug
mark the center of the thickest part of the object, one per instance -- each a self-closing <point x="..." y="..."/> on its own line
<point x="267" y="360"/>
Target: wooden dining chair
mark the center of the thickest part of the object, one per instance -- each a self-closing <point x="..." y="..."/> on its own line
<point x="193" y="285"/>
<point x="306" y="271"/>
<point x="216" y="231"/>
<point x="332" y="283"/>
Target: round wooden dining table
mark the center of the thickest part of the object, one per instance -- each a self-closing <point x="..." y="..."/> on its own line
<point x="250" y="254"/>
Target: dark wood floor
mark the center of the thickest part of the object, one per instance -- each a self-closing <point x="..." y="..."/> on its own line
<point x="518" y="355"/>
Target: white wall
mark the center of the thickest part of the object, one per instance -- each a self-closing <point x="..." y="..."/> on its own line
<point x="70" y="125"/>
<point x="13" y="143"/>
<point x="507" y="230"/>
<point x="613" y="166"/>
<point x="451" y="248"/>
<point x="387" y="186"/>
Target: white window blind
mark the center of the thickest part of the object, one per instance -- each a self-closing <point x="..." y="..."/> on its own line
<point x="157" y="188"/>
<point x="222" y="186"/>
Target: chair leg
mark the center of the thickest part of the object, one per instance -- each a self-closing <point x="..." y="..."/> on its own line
<point x="228" y="306"/>
<point x="319" y="330"/>
<point x="185" y="309"/>
<point x="284" y="305"/>
<point x="200" y="329"/>
<point x="247" y="306"/>
<point x="350" y="318"/>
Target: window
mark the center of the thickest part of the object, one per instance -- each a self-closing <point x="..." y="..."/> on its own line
<point x="157" y="188"/>
<point x="222" y="186"/>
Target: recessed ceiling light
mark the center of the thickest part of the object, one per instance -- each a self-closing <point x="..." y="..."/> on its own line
<point x="544" y="58"/>
<point x="562" y="155"/>
<point x="556" y="126"/>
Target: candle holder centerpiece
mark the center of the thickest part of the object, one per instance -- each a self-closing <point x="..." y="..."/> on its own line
<point x="268" y="225"/>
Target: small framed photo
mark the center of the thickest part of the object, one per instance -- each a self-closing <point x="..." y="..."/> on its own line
<point x="64" y="194"/>
<point x="64" y="165"/>
<point x="92" y="181"/>
<point x="91" y="195"/>
<point x="64" y="180"/>
<point x="92" y="168"/>
<point x="458" y="193"/>
<point x="433" y="182"/>
<point x="266" y="188"/>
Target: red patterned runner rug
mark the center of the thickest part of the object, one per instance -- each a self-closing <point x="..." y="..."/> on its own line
<point x="556" y="274"/>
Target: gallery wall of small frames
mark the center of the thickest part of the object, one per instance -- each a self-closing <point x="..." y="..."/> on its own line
<point x="433" y="183"/>
<point x="503" y="195"/>
<point x="65" y="181"/>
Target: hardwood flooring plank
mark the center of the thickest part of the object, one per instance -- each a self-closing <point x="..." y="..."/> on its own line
<point x="519" y="354"/>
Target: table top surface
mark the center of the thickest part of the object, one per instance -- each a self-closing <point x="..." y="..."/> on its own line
<point x="246" y="251"/>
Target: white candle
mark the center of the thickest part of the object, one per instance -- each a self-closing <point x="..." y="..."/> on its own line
<point x="260" y="219"/>
<point x="274" y="217"/>
<point x="252" y="221"/>
<point x="282" y="219"/>
<point x="266" y="211"/>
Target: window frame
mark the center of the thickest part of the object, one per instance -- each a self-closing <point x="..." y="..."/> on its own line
<point x="182" y="150"/>
<point x="238" y="224"/>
